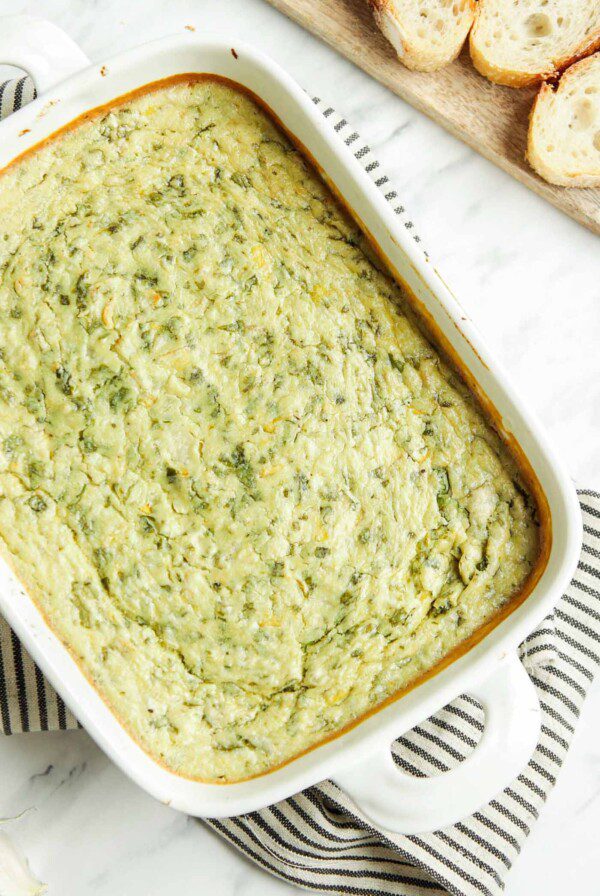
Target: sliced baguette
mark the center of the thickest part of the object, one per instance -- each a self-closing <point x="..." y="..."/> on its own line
<point x="426" y="34"/>
<point x="563" y="144"/>
<point x="521" y="42"/>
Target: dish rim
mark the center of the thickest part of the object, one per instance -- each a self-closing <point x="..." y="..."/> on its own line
<point x="447" y="682"/>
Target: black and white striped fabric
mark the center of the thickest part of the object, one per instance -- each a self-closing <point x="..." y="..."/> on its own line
<point x="14" y="94"/>
<point x="317" y="839"/>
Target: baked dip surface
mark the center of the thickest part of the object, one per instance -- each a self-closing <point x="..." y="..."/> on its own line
<point x="244" y="489"/>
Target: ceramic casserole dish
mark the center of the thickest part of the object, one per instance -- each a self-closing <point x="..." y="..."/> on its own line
<point x="358" y="760"/>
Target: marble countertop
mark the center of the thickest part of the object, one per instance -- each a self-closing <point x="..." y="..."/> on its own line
<point x="530" y="279"/>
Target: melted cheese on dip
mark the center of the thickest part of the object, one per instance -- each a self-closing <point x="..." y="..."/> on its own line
<point x="245" y="490"/>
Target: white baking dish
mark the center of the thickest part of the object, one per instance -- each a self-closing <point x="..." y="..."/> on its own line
<point x="359" y="760"/>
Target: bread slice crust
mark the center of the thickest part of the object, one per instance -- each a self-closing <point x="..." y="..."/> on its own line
<point x="551" y="152"/>
<point x="426" y="34"/>
<point x="509" y="72"/>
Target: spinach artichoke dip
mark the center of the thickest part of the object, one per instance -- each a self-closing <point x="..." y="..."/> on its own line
<point x="243" y="487"/>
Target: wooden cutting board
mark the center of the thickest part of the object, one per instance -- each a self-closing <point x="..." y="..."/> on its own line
<point x="491" y="119"/>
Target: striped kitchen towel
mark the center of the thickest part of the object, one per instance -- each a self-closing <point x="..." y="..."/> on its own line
<point x="317" y="839"/>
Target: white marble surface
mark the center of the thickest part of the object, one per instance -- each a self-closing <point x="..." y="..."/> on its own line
<point x="530" y="278"/>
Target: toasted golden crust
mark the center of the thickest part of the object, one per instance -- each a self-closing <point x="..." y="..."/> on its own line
<point x="247" y="493"/>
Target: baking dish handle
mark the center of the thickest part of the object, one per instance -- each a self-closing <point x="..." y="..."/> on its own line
<point x="404" y="804"/>
<point x="41" y="49"/>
